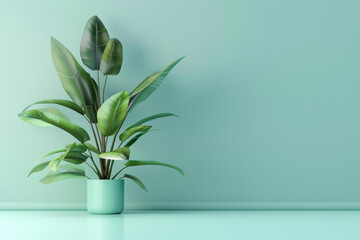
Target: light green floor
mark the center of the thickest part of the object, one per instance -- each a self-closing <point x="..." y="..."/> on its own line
<point x="184" y="225"/>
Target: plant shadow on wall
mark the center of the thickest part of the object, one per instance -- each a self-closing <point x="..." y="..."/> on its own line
<point x="111" y="143"/>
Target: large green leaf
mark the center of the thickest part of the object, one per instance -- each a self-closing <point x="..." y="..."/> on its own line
<point x="136" y="180"/>
<point x="153" y="117"/>
<point x="93" y="43"/>
<point x="62" y="102"/>
<point x="66" y="171"/>
<point x="150" y="84"/>
<point x="59" y="122"/>
<point x="76" y="81"/>
<point x="40" y="123"/>
<point x="131" y="131"/>
<point x="112" y="58"/>
<point x="133" y="163"/>
<point x="112" y="113"/>
<point x="39" y="167"/>
<point x="118" y="154"/>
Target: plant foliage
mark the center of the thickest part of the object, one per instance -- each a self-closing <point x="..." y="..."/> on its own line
<point x="105" y="116"/>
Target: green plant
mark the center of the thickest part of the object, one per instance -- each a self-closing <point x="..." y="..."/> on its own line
<point x="105" y="116"/>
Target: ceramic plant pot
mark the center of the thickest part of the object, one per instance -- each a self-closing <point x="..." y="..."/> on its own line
<point x="105" y="196"/>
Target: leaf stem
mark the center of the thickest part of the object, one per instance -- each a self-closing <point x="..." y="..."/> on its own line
<point x="118" y="173"/>
<point x="97" y="169"/>
<point x="98" y="82"/>
<point x="103" y="96"/>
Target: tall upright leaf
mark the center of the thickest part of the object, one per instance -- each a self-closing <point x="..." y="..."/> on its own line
<point x="112" y="113"/>
<point x="50" y="118"/>
<point x="150" y="84"/>
<point x="75" y="80"/>
<point x="112" y="58"/>
<point x="93" y="43"/>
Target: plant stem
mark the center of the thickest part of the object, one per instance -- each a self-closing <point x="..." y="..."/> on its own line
<point x="92" y="160"/>
<point x="102" y="161"/>
<point x="111" y="167"/>
<point x="103" y="96"/>
<point x="117" y="173"/>
<point x="91" y="168"/>
<point x="98" y="82"/>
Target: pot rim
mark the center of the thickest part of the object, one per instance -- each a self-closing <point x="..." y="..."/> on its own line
<point x="104" y="180"/>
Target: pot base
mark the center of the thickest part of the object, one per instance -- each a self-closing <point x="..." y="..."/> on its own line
<point x="105" y="196"/>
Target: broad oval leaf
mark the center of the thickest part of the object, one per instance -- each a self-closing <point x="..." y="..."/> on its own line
<point x="39" y="168"/>
<point x="123" y="150"/>
<point x="61" y="102"/>
<point x="65" y="171"/>
<point x="136" y="180"/>
<point x="75" y="80"/>
<point x="40" y="123"/>
<point x="150" y="84"/>
<point x="112" y="58"/>
<point x="131" y="131"/>
<point x="112" y="113"/>
<point x="133" y="163"/>
<point x="93" y="43"/>
<point x="59" y="122"/>
<point x="118" y="154"/>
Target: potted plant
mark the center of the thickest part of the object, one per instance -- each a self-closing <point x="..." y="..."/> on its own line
<point x="111" y="143"/>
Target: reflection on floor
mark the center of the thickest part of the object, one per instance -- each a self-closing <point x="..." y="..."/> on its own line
<point x="184" y="225"/>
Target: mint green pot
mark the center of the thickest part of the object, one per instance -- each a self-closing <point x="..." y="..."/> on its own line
<point x="105" y="196"/>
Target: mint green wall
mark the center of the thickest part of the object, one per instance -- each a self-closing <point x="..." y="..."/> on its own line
<point x="268" y="94"/>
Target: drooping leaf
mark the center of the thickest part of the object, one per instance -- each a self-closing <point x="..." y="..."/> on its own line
<point x="39" y="168"/>
<point x="123" y="150"/>
<point x="40" y="123"/>
<point x="54" y="152"/>
<point x="79" y="147"/>
<point x="136" y="180"/>
<point x="76" y="81"/>
<point x="153" y="117"/>
<point x="118" y="154"/>
<point x="150" y="84"/>
<point x="91" y="147"/>
<point x="61" y="102"/>
<point x="134" y="139"/>
<point x="112" y="113"/>
<point x="53" y="164"/>
<point x="93" y="43"/>
<point x="112" y="58"/>
<point x="131" y="131"/>
<point x="66" y="171"/>
<point x="75" y="158"/>
<point x="133" y="163"/>
<point x="59" y="122"/>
